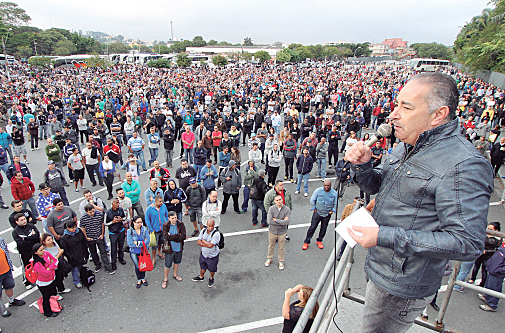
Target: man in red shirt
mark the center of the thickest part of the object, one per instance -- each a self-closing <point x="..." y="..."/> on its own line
<point x="23" y="189"/>
<point x="375" y="113"/>
<point x="160" y="173"/>
<point x="114" y="152"/>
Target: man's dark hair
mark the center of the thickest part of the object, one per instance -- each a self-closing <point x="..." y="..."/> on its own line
<point x="88" y="207"/>
<point x="17" y="216"/>
<point x="57" y="201"/>
<point x="443" y="92"/>
<point x="184" y="160"/>
<point x="172" y="213"/>
<point x="86" y="191"/>
<point x="70" y="224"/>
<point x="158" y="197"/>
<point x="15" y="202"/>
<point x="496" y="225"/>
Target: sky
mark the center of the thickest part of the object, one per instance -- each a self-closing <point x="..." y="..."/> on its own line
<point x="265" y="21"/>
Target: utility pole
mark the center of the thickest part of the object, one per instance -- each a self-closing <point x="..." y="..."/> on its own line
<point x="35" y="44"/>
<point x="172" y="30"/>
<point x="4" y="40"/>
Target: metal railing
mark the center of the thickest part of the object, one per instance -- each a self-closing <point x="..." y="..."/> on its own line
<point x="339" y="286"/>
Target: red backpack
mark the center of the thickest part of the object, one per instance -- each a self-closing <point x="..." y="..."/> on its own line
<point x="30" y="274"/>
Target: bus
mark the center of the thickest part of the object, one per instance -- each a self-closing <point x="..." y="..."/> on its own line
<point x="10" y="59"/>
<point x="428" y="65"/>
<point x="142" y="58"/>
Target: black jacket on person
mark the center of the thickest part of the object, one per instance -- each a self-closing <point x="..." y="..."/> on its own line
<point x="262" y="187"/>
<point x="75" y="248"/>
<point x="497" y="153"/>
<point x="25" y="237"/>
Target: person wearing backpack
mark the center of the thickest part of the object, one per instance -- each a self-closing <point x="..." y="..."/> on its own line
<point x="257" y="193"/>
<point x="45" y="267"/>
<point x="195" y="198"/>
<point x="75" y="247"/>
<point x="137" y="236"/>
<point x="208" y="239"/>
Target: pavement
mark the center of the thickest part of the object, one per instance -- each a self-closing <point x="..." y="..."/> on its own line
<point x="245" y="293"/>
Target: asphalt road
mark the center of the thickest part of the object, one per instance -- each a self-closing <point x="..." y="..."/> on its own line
<point x="245" y="290"/>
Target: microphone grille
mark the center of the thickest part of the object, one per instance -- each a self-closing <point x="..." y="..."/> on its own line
<point x="384" y="130"/>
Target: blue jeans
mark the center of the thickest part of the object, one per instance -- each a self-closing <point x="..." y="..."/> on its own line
<point x="316" y="218"/>
<point x="5" y="168"/>
<point x="63" y="195"/>
<point x="385" y="310"/>
<point x="245" y="204"/>
<point x="135" y="259"/>
<point x="305" y="179"/>
<point x="466" y="267"/>
<point x="188" y="155"/>
<point x="321" y="167"/>
<point x="75" y="274"/>
<point x="154" y="154"/>
<point x="197" y="169"/>
<point x="33" y="207"/>
<point x="258" y="204"/>
<point x="139" y="155"/>
<point x="494" y="283"/>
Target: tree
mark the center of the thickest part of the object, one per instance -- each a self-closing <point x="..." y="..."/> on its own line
<point x="64" y="48"/>
<point x="432" y="50"/>
<point x="41" y="62"/>
<point x="198" y="41"/>
<point x="283" y="55"/>
<point x="23" y="52"/>
<point x="304" y="53"/>
<point x="277" y="44"/>
<point x="294" y="46"/>
<point x="224" y="43"/>
<point x="219" y="60"/>
<point x="262" y="56"/>
<point x="118" y="47"/>
<point x="183" y="60"/>
<point x="247" y="56"/>
<point x="162" y="49"/>
<point x="248" y="41"/>
<point x="159" y="63"/>
<point x="97" y="61"/>
<point x="212" y="42"/>
<point x="12" y="15"/>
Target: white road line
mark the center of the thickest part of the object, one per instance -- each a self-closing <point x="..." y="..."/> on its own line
<point x="23" y="295"/>
<point x="248" y="326"/>
<point x="495" y="203"/>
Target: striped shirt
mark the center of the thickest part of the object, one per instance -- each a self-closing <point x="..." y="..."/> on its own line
<point x="92" y="224"/>
<point x="135" y="144"/>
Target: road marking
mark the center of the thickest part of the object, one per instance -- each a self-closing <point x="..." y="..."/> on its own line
<point x="23" y="295"/>
<point x="248" y="326"/>
<point x="495" y="203"/>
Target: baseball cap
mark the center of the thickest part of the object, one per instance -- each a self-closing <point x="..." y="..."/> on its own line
<point x="50" y="162"/>
<point x="192" y="180"/>
<point x="42" y="186"/>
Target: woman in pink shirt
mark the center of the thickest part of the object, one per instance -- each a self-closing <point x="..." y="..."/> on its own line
<point x="44" y="265"/>
<point x="188" y="142"/>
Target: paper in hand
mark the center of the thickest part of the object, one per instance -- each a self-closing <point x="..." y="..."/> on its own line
<point x="361" y="218"/>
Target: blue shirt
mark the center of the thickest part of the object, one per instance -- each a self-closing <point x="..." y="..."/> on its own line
<point x="136" y="144"/>
<point x="323" y="201"/>
<point x="176" y="247"/>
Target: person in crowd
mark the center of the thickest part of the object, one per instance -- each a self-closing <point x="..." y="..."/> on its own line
<point x="333" y="137"/>
<point x="92" y="160"/>
<point x="136" y="147"/>
<point x="195" y="195"/>
<point x="45" y="203"/>
<point x="131" y="188"/>
<point x="289" y="148"/>
<point x="67" y="150"/>
<point x="323" y="203"/>
<point x="17" y="166"/>
<point x="168" y="145"/>
<point x="209" y="257"/>
<point x="452" y="214"/>
<point x="156" y="216"/>
<point x="25" y="235"/>
<point x="17" y="207"/>
<point x="224" y="160"/>
<point x="131" y="165"/>
<point x="208" y="175"/>
<point x="174" y="234"/>
<point x="58" y="217"/>
<point x="232" y="181"/>
<point x="250" y="173"/>
<point x="23" y="189"/>
<point x="257" y="195"/>
<point x="7" y="279"/>
<point x="174" y="197"/>
<point x="106" y="170"/>
<point x="114" y="152"/>
<point x="93" y="228"/>
<point x="152" y="192"/>
<point x="491" y="244"/>
<point x="6" y="142"/>
<point x="235" y="155"/>
<point x="304" y="165"/>
<point x="482" y="145"/>
<point x="278" y="220"/>
<point x="54" y="249"/>
<point x="188" y="143"/>
<point x="75" y="163"/>
<point x="494" y="281"/>
<point x="321" y="150"/>
<point x="137" y="237"/>
<point x="54" y="178"/>
<point x="184" y="173"/>
<point x="377" y="153"/>
<point x="160" y="174"/>
<point x="498" y="155"/>
<point x="211" y="209"/>
<point x="255" y="154"/>
<point x="292" y="312"/>
<point x="153" y="143"/>
<point x="274" y="162"/>
<point x="343" y="177"/>
<point x="126" y="204"/>
<point x="114" y="221"/>
<point x="278" y="189"/>
<point x="19" y="142"/>
<point x="45" y="265"/>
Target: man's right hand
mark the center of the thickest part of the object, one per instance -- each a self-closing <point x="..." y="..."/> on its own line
<point x="57" y="237"/>
<point x="358" y="153"/>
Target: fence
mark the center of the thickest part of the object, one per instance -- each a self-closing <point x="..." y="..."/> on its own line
<point x="498" y="79"/>
<point x="339" y="286"/>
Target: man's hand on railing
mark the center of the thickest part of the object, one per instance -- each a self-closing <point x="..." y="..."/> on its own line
<point x="369" y="237"/>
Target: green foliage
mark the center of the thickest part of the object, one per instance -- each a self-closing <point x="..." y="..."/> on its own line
<point x="41" y="62"/>
<point x="219" y="60"/>
<point x="98" y="62"/>
<point x="12" y="15"/>
<point x="283" y="55"/>
<point x="183" y="60"/>
<point x="303" y="53"/>
<point x="212" y="42"/>
<point x="294" y="46"/>
<point x="432" y="50"/>
<point x="224" y="43"/>
<point x="479" y="44"/>
<point x="159" y="63"/>
<point x="198" y="41"/>
<point x="118" y="47"/>
<point x="247" y="56"/>
<point x="248" y="41"/>
<point x="262" y="56"/>
<point x="64" y="48"/>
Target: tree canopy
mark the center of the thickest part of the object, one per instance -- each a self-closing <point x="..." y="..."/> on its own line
<point x="432" y="50"/>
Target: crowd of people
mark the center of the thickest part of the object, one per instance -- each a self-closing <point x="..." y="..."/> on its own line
<point x="101" y="122"/>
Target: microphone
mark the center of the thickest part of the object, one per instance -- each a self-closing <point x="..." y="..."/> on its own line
<point x="384" y="130"/>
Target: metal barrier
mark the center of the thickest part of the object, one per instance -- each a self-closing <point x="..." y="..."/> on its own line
<point x="339" y="286"/>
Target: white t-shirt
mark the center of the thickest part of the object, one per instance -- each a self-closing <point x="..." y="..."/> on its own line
<point x="126" y="203"/>
<point x="87" y="153"/>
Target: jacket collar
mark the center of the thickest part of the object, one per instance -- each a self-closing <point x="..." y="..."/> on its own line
<point x="448" y="129"/>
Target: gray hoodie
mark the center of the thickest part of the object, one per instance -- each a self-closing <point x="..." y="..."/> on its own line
<point x="233" y="185"/>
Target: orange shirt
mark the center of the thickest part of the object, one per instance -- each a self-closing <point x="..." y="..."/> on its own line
<point x="4" y="265"/>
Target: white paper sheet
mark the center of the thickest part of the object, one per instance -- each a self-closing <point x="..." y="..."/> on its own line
<point x="361" y="218"/>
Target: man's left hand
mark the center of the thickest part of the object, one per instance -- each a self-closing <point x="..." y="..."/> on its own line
<point x="369" y="238"/>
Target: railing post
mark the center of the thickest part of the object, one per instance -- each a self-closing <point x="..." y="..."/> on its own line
<point x="445" y="302"/>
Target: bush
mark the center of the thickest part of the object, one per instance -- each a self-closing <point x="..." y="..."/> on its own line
<point x="159" y="63"/>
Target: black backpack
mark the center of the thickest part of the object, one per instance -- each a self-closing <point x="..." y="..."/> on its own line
<point x="254" y="192"/>
<point x="87" y="277"/>
<point x="220" y="245"/>
<point x="496" y="264"/>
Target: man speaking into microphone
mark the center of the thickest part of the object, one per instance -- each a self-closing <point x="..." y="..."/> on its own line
<point x="431" y="206"/>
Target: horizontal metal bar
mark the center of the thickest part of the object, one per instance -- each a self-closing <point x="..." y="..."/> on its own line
<point x="480" y="289"/>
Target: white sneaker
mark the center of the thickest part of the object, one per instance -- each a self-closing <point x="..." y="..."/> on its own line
<point x="71" y="180"/>
<point x="268" y="262"/>
<point x="78" y="286"/>
<point x="281" y="265"/>
<point x="66" y="291"/>
<point x="297" y="192"/>
<point x="77" y="190"/>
